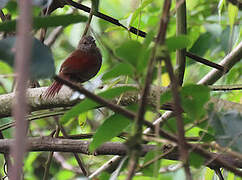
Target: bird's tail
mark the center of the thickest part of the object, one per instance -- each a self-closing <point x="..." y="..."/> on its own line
<point x="52" y="90"/>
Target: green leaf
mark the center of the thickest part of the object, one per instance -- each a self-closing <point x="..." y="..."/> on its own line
<point x="203" y="44"/>
<point x="65" y="175"/>
<point x="221" y="4"/>
<point x="129" y="51"/>
<point x="138" y="10"/>
<point x="46" y="21"/>
<point x="165" y="97"/>
<point x="42" y="62"/>
<point x="111" y="128"/>
<point x="225" y="38"/>
<point x="144" y="55"/>
<point x="12" y="7"/>
<point x="118" y="70"/>
<point x="30" y="160"/>
<point x="233" y="13"/>
<point x="170" y="125"/>
<point x="88" y="104"/>
<point x="206" y="137"/>
<point x="104" y="176"/>
<point x="177" y="42"/>
<point x="151" y="170"/>
<point x="227" y="127"/>
<point x="196" y="160"/>
<point x="194" y="98"/>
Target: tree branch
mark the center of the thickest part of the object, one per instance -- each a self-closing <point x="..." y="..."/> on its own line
<point x="69" y="145"/>
<point x="105" y="17"/>
<point x="205" y="61"/>
<point x="36" y="103"/>
<point x="226" y="87"/>
<point x="184" y="155"/>
<point x="162" y="133"/>
<point x="228" y="62"/>
<point x="47" y="143"/>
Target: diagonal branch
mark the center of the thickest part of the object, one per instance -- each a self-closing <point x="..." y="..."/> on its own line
<point x="162" y="133"/>
<point x="105" y="17"/>
<point x="78" y="159"/>
<point x="228" y="62"/>
<point x="205" y="61"/>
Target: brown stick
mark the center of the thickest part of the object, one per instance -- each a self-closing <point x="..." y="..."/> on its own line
<point x="22" y="57"/>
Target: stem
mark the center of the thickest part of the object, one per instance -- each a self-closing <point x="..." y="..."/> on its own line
<point x="181" y="29"/>
<point x="22" y="57"/>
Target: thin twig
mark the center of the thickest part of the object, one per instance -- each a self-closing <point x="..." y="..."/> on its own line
<point x="102" y="101"/>
<point x="53" y="36"/>
<point x="179" y="120"/>
<point x="105" y="166"/>
<point x="6" y="157"/>
<point x="59" y="157"/>
<point x="2" y="16"/>
<point x="155" y="159"/>
<point x="32" y="118"/>
<point x="105" y="17"/>
<point x="50" y="156"/>
<point x="226" y="87"/>
<point x="205" y="61"/>
<point x="181" y="29"/>
<point x="79" y="161"/>
<point x="219" y="173"/>
<point x="89" y="20"/>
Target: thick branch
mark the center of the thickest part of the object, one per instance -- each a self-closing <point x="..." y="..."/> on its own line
<point x="63" y="100"/>
<point x="69" y="145"/>
<point x="228" y="62"/>
<point x="109" y="148"/>
<point x="35" y="101"/>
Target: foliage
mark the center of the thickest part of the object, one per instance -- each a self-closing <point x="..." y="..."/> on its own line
<point x="227" y="129"/>
<point x="42" y="65"/>
<point x="212" y="32"/>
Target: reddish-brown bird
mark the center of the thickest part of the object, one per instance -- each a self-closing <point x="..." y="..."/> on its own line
<point x="82" y="65"/>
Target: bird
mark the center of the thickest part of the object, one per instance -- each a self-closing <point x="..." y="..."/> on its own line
<point x="80" y="66"/>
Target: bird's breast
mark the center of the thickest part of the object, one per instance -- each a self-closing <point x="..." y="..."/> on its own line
<point x="81" y="66"/>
